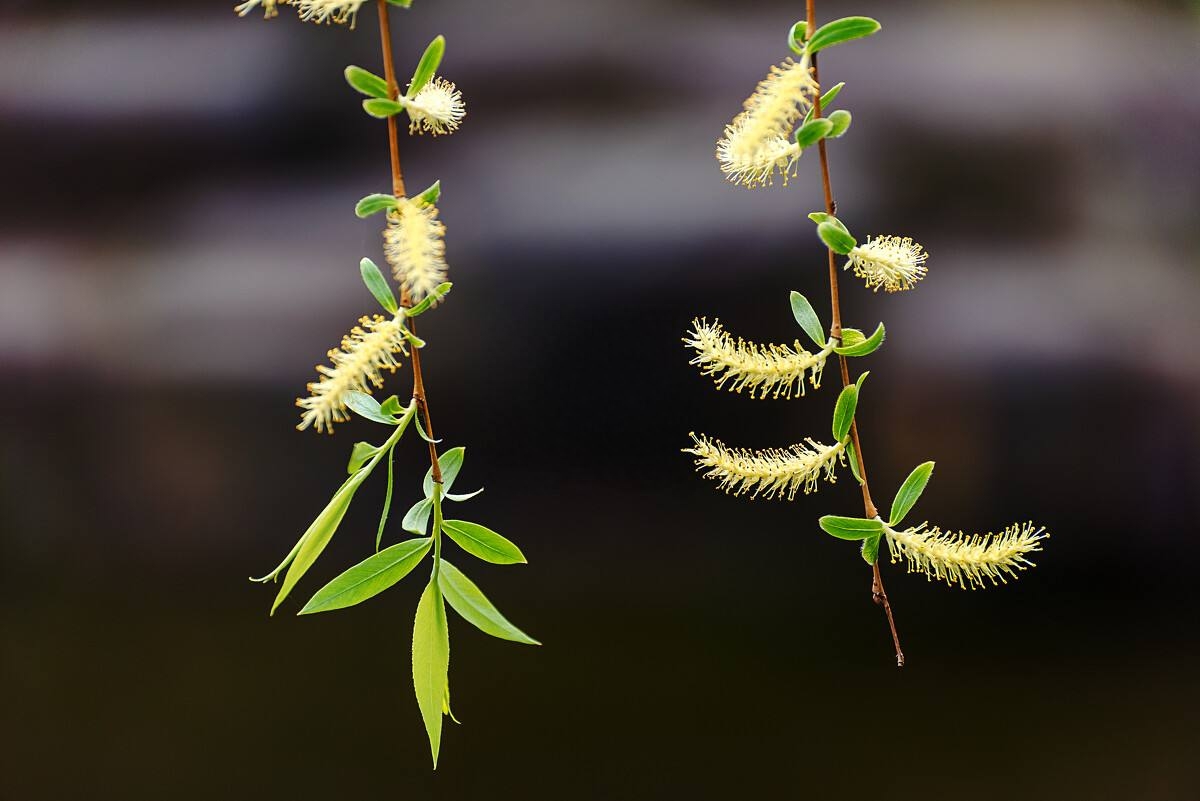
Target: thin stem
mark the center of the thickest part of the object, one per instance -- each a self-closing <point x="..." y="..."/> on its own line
<point x="878" y="593"/>
<point x="389" y="72"/>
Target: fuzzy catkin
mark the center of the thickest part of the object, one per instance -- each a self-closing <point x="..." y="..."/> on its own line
<point x="968" y="560"/>
<point x="775" y="370"/>
<point x="772" y="473"/>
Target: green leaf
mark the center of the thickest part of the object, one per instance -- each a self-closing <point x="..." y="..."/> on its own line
<point x="482" y="542"/>
<point x="807" y="318"/>
<point x="431" y="662"/>
<point x="391" y="405"/>
<point x="843" y="413"/>
<point x="852" y="456"/>
<point x="364" y="405"/>
<point x="378" y="285"/>
<point x="373" y="204"/>
<point x="387" y="498"/>
<point x="421" y="432"/>
<point x="836" y="237"/>
<point x="826" y="100"/>
<point x="466" y="496"/>
<point x="431" y="59"/>
<point x="382" y="109"/>
<point x="470" y="602"/>
<point x="813" y="131"/>
<point x="850" y="528"/>
<point x="450" y="463"/>
<point x="870" y="549"/>
<point x="366" y="82"/>
<point x="431" y="195"/>
<point x="400" y="3"/>
<point x="855" y="344"/>
<point x="841" y="123"/>
<point x="369" y="577"/>
<point x="909" y="492"/>
<point x="841" y="30"/>
<point x="861" y="379"/>
<point x="318" y="534"/>
<point x="359" y="456"/>
<point x="796" y="36"/>
<point x="432" y="299"/>
<point x="416" y="519"/>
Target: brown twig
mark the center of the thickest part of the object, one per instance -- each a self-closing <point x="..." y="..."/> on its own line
<point x="389" y="72"/>
<point x="878" y="593"/>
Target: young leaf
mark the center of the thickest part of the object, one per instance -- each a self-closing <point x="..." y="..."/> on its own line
<point x="857" y="345"/>
<point x="364" y="405"/>
<point x="382" y="109"/>
<point x="843" y="413"/>
<point x="421" y="432"/>
<point x="378" y="285"/>
<point x="807" y="318"/>
<point x="850" y="528"/>
<point x="465" y="496"/>
<point x="431" y="662"/>
<point x="470" y="602"/>
<point x="450" y="463"/>
<point x="909" y="492"/>
<point x="813" y="131"/>
<point x="431" y="59"/>
<point x="836" y="237"/>
<point x="482" y="542"/>
<point x="858" y="384"/>
<point x="841" y="123"/>
<point x="359" y="456"/>
<point x="870" y="549"/>
<point x="366" y="82"/>
<point x="852" y="456"/>
<point x="841" y="30"/>
<point x="387" y="499"/>
<point x="416" y="519"/>
<point x="826" y="101"/>
<point x="433" y="298"/>
<point x="373" y="204"/>
<point x="369" y="577"/>
<point x="796" y="36"/>
<point x="431" y="195"/>
<point x="391" y="405"/>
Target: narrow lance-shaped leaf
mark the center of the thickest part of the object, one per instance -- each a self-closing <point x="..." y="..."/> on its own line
<point x="373" y="204"/>
<point x="387" y="498"/>
<point x="369" y="577"/>
<point x="850" y="528"/>
<point x="450" y="463"/>
<point x="807" y="318"/>
<point x="826" y="101"/>
<point x="470" y="602"/>
<point x="378" y="285"/>
<point x="482" y="542"/>
<point x="431" y="59"/>
<point x="431" y="195"/>
<point x="431" y="663"/>
<point x="852" y="457"/>
<point x="366" y="82"/>
<point x="909" y="492"/>
<point x="843" y="413"/>
<point x="432" y="299"/>
<point x="840" y="30"/>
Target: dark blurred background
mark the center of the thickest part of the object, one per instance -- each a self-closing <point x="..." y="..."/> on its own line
<point x="178" y="248"/>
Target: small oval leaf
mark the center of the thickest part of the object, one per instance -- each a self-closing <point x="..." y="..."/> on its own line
<point x="835" y="237"/>
<point x="850" y="528"/>
<point x="482" y="542"/>
<point x="807" y="318"/>
<point x="378" y="285"/>
<point x="416" y="519"/>
<point x="843" y="413"/>
<point x="369" y="577"/>
<point x="870" y="549"/>
<point x="841" y="30"/>
<point x="909" y="492"/>
<point x="366" y="82"/>
<point x="840" y="120"/>
<point x="364" y="405"/>
<point x="382" y="109"/>
<point x="813" y="131"/>
<point x="431" y="59"/>
<point x="373" y="204"/>
<point x="470" y="602"/>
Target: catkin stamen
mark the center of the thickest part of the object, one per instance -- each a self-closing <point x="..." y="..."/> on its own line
<point x="772" y="473"/>
<point x="968" y="560"/>
<point x="775" y="370"/>
<point x="891" y="263"/>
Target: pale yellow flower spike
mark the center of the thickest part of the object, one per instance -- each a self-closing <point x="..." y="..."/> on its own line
<point x="414" y="245"/>
<point x="775" y="370"/>
<point x="437" y="109"/>
<point x="368" y="350"/>
<point x="890" y="262"/>
<point x="321" y="11"/>
<point x="758" y="142"/>
<point x="968" y="560"/>
<point x="268" y="6"/>
<point x="773" y="473"/>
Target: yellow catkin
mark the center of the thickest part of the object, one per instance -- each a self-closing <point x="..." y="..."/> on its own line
<point x="891" y="263"/>
<point x="414" y="246"/>
<point x="775" y="370"/>
<point x="772" y="473"/>
<point x="370" y="348"/>
<point x="968" y="560"/>
<point x="758" y="142"/>
<point x="437" y="109"/>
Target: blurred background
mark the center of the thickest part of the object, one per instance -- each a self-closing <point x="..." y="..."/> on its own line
<point x="178" y="248"/>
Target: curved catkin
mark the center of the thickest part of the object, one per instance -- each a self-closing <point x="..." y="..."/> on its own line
<point x="891" y="263"/>
<point x="368" y="350"/>
<point x="758" y="141"/>
<point x="968" y="560"/>
<point x="772" y="473"/>
<point x="414" y="245"/>
<point x="775" y="370"/>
